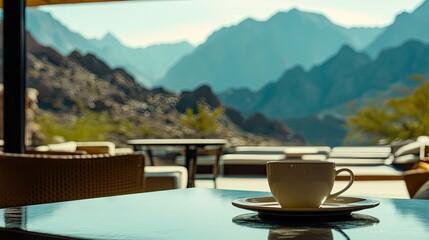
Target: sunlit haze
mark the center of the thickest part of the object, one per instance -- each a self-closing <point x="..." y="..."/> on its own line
<point x="142" y="23"/>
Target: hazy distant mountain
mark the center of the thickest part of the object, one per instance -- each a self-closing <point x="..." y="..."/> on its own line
<point x="319" y="129"/>
<point x="146" y="64"/>
<point x="347" y="76"/>
<point x="50" y="32"/>
<point x="364" y="35"/>
<point x="150" y="63"/>
<point x="298" y="92"/>
<point x="253" y="53"/>
<point x="406" y="26"/>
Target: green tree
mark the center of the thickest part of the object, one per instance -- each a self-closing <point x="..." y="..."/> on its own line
<point x="204" y="122"/>
<point x="396" y="119"/>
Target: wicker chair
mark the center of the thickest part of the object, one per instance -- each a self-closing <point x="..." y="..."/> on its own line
<point x="416" y="178"/>
<point x="34" y="179"/>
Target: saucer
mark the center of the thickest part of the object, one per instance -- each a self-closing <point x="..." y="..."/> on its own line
<point x="339" y="206"/>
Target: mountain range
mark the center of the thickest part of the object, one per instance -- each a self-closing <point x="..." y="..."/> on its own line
<point x="249" y="54"/>
<point x="310" y="102"/>
<point x="340" y="86"/>
<point x="68" y="84"/>
<point x="406" y="26"/>
<point x="347" y="76"/>
<point x="146" y="64"/>
<point x="296" y="66"/>
<point x="252" y="53"/>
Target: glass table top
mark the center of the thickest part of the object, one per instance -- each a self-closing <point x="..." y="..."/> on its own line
<point x="209" y="214"/>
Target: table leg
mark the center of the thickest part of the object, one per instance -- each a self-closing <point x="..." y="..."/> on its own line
<point x="191" y="164"/>
<point x="15" y="217"/>
<point x="150" y="154"/>
<point x="136" y="148"/>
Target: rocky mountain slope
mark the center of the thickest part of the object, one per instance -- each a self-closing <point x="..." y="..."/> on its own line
<point x="256" y="123"/>
<point x="68" y="83"/>
<point x="146" y="64"/>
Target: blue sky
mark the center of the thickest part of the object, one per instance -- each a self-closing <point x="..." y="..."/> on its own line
<point x="142" y="23"/>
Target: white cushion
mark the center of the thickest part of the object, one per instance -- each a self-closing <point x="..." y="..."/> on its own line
<point x="63" y="147"/>
<point x="43" y="148"/>
<point x="123" y="151"/>
<point x="312" y="157"/>
<point x="251" y="159"/>
<point x="97" y="147"/>
<point x="406" y="159"/>
<point x="282" y="149"/>
<point x="362" y="149"/>
<point x="424" y="139"/>
<point x="179" y="173"/>
<point x="260" y="150"/>
<point x="412" y="148"/>
<point x="359" y="154"/>
<point x="360" y="161"/>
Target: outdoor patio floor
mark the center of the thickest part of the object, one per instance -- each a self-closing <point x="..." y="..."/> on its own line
<point x="385" y="189"/>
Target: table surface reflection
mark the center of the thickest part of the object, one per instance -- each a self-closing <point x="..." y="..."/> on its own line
<point x="206" y="214"/>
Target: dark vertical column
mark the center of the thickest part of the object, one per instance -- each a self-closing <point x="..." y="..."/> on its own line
<point x="14" y="65"/>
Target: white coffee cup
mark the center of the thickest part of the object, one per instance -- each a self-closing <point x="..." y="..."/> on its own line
<point x="304" y="184"/>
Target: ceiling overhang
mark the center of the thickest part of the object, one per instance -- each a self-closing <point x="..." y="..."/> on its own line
<point x="35" y="3"/>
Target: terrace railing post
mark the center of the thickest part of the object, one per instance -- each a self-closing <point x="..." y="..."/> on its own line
<point x="14" y="75"/>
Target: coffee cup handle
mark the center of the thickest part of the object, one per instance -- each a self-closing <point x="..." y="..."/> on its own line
<point x="352" y="179"/>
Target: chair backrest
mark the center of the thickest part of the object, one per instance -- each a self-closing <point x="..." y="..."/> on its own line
<point x="415" y="179"/>
<point x="33" y="179"/>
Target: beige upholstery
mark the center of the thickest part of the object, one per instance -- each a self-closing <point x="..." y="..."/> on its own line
<point x="77" y="152"/>
<point x="417" y="147"/>
<point x="90" y="147"/>
<point x="415" y="178"/>
<point x="250" y="159"/>
<point x="101" y="147"/>
<point x="361" y="155"/>
<point x="34" y="179"/>
<point x="248" y="164"/>
<point x="290" y="151"/>
<point x="165" y="178"/>
<point x="70" y="146"/>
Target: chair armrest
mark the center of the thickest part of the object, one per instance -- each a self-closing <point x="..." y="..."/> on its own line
<point x="77" y="152"/>
<point x="414" y="179"/>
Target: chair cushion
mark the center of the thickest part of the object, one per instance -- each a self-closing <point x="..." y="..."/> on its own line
<point x="362" y="149"/>
<point x="423" y="192"/>
<point x="413" y="147"/>
<point x="250" y="159"/>
<point x="63" y="147"/>
<point x="97" y="147"/>
<point x="165" y="177"/>
<point x="410" y="148"/>
<point x="289" y="150"/>
<point x="406" y="162"/>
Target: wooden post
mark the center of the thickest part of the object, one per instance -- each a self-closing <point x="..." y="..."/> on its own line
<point x="14" y="76"/>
